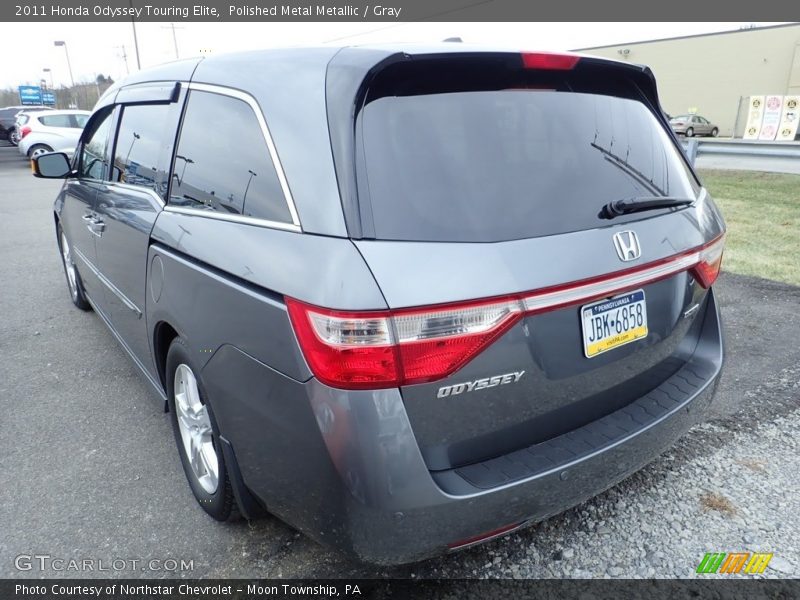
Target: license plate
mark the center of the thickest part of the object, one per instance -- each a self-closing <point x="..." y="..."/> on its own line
<point x="614" y="322"/>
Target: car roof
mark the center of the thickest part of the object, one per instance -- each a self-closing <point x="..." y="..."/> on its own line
<point x="66" y="111"/>
<point x="303" y="92"/>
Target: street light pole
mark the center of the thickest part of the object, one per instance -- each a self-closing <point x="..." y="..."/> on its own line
<point x="69" y="65"/>
<point x="247" y="187"/>
<point x="47" y="70"/>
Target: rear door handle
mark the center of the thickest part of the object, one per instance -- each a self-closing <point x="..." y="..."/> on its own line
<point x="96" y="226"/>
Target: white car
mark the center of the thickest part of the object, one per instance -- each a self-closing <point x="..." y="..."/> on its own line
<point x="51" y="131"/>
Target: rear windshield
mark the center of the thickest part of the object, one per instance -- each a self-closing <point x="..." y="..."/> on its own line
<point x="505" y="164"/>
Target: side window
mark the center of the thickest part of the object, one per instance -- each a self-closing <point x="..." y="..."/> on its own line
<point x="230" y="173"/>
<point x="139" y="145"/>
<point x="79" y="121"/>
<point x="55" y="120"/>
<point x="92" y="160"/>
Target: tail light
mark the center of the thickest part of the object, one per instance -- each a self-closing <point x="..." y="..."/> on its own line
<point x="710" y="262"/>
<point x="549" y="61"/>
<point x="379" y="349"/>
<point x="391" y="348"/>
<point x="24" y="131"/>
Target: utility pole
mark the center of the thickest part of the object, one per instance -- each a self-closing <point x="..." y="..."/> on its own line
<point x="124" y="57"/>
<point x="174" y="37"/>
<point x="135" y="39"/>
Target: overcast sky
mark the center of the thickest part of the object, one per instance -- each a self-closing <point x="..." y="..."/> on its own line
<point x="96" y="48"/>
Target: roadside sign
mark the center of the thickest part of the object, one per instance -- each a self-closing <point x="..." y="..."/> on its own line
<point x="49" y="98"/>
<point x="755" y="114"/>
<point x="789" y="120"/>
<point x="30" y="94"/>
<point x="772" y="118"/>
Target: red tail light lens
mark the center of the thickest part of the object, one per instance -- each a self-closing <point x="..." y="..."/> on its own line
<point x="438" y="342"/>
<point x="549" y="61"/>
<point x="391" y="348"/>
<point x="484" y="537"/>
<point x="378" y="349"/>
<point x="710" y="263"/>
<point x="24" y="131"/>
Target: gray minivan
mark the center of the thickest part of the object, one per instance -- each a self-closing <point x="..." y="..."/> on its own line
<point x="407" y="299"/>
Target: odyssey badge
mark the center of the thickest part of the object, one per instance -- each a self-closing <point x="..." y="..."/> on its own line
<point x="479" y="384"/>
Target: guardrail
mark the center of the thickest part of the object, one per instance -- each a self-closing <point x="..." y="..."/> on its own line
<point x="695" y="147"/>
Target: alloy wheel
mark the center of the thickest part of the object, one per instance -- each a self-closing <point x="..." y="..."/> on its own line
<point x="195" y="429"/>
<point x="69" y="266"/>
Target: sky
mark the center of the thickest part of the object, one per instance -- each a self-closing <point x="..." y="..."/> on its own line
<point x="100" y="48"/>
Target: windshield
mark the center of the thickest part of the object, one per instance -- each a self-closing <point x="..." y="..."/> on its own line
<point x="485" y="166"/>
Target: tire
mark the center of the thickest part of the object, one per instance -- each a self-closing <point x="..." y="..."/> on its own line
<point x="38" y="149"/>
<point x="714" y="132"/>
<point x="13" y="137"/>
<point x="197" y="435"/>
<point x="74" y="283"/>
<point x="689" y="132"/>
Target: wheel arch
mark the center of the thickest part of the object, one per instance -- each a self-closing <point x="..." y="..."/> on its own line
<point x="163" y="334"/>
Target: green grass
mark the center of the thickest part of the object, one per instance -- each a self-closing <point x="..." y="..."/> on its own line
<point x="762" y="211"/>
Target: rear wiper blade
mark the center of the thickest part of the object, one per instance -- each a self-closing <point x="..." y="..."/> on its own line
<point x="617" y="208"/>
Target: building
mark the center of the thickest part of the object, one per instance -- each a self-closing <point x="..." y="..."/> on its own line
<point x="715" y="74"/>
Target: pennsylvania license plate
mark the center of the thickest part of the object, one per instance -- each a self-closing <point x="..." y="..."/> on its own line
<point x="614" y="322"/>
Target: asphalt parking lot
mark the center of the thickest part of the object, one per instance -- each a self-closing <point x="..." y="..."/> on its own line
<point x="88" y="467"/>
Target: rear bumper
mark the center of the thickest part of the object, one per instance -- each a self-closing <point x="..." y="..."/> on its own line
<point x="345" y="468"/>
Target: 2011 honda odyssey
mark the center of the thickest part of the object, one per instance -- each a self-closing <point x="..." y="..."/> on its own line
<point x="407" y="299"/>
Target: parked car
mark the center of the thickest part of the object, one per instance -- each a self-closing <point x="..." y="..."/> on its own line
<point x="7" y="116"/>
<point x="690" y="125"/>
<point x="20" y="118"/>
<point x="415" y="298"/>
<point x="53" y="130"/>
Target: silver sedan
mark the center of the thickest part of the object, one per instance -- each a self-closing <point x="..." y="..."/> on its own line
<point x="691" y="125"/>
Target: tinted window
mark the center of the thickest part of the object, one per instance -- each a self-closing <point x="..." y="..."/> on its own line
<point x="140" y="143"/>
<point x="80" y="121"/>
<point x="223" y="163"/>
<point x="509" y="163"/>
<point x="93" y="152"/>
<point x="56" y="121"/>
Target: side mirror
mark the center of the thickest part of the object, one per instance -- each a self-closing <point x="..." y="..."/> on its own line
<point x="54" y="165"/>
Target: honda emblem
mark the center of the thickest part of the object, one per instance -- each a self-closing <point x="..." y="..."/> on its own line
<point x="627" y="245"/>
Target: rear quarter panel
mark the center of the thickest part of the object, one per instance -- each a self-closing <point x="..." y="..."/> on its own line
<point x="222" y="283"/>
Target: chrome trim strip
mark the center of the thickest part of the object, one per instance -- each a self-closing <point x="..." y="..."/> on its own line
<point x="580" y="293"/>
<point x="245" y="97"/>
<point x="221" y="216"/>
<point x="691" y="310"/>
<point x="137" y="188"/>
<point x="123" y="298"/>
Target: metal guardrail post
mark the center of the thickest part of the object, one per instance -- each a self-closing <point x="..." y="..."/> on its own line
<point x="691" y="150"/>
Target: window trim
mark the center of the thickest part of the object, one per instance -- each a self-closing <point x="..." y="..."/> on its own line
<point x="113" y="114"/>
<point x="273" y="154"/>
<point x="121" y="107"/>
